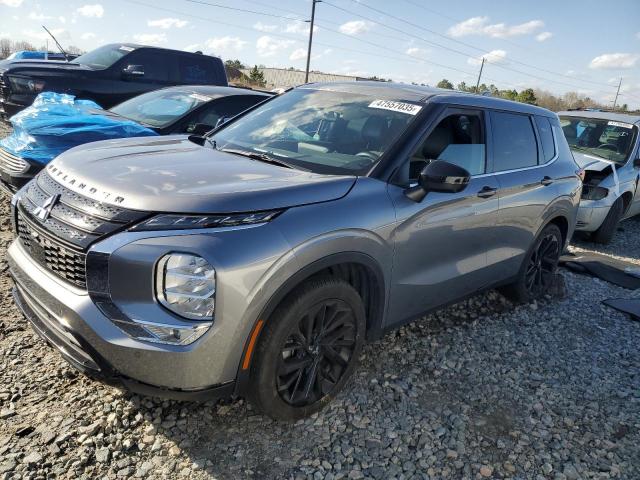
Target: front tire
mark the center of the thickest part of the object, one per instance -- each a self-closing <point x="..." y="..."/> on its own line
<point x="308" y="349"/>
<point x="607" y="230"/>
<point x="538" y="269"/>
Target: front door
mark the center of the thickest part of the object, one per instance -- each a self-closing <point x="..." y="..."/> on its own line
<point x="441" y="243"/>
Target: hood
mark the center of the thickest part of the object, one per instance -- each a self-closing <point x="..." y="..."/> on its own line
<point x="30" y="67"/>
<point x="172" y="174"/>
<point x="590" y="162"/>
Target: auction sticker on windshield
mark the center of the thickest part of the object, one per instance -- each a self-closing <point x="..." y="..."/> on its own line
<point x="619" y="124"/>
<point x="401" y="107"/>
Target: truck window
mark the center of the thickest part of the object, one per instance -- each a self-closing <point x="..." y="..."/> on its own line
<point x="156" y="67"/>
<point x="514" y="143"/>
<point x="198" y="70"/>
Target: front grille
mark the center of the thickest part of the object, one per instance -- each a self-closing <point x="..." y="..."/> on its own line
<point x="66" y="263"/>
<point x="12" y="164"/>
<point x="59" y="239"/>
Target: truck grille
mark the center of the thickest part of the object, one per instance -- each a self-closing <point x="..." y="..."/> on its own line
<point x="4" y="91"/>
<point x="12" y="164"/>
<point x="57" y="226"/>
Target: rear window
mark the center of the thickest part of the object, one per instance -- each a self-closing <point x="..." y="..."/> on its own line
<point x="199" y="69"/>
<point x="546" y="138"/>
<point x="514" y="142"/>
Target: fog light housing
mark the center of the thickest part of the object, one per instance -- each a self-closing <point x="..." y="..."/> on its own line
<point x="186" y="285"/>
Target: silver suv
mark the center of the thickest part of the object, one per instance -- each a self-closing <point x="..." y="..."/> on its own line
<point x="257" y="260"/>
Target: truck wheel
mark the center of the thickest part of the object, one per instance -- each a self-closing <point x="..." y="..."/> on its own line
<point x="538" y="269"/>
<point x="607" y="230"/>
<point x="308" y="349"/>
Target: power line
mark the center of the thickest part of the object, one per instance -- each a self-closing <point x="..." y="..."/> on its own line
<point x="460" y="42"/>
<point x="244" y="10"/>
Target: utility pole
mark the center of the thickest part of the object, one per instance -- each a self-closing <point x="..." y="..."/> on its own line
<point x="313" y="17"/>
<point x="617" y="93"/>
<point x="479" y="75"/>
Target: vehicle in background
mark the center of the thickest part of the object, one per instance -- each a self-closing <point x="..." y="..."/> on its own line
<point x="606" y="146"/>
<point x="107" y="75"/>
<point x="37" y="55"/>
<point x="257" y="260"/>
<point x="42" y="135"/>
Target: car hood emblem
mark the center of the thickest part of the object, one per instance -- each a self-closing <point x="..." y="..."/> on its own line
<point x="42" y="212"/>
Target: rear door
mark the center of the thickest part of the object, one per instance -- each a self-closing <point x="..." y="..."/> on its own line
<point x="523" y="154"/>
<point x="196" y="69"/>
<point x="156" y="66"/>
<point x="441" y="243"/>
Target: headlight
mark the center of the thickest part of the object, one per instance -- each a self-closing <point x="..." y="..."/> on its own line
<point x="186" y="285"/>
<point x="25" y="85"/>
<point x="182" y="222"/>
<point x="594" y="193"/>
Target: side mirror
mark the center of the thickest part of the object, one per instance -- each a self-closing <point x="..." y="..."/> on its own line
<point x="439" y="176"/>
<point x="200" y="129"/>
<point x="222" y="120"/>
<point x="636" y="162"/>
<point x="132" y="71"/>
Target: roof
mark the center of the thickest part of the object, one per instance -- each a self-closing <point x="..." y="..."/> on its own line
<point x="218" y="91"/>
<point x="615" y="116"/>
<point x="420" y="94"/>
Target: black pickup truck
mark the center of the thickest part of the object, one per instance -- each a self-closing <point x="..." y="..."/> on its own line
<point x="107" y="75"/>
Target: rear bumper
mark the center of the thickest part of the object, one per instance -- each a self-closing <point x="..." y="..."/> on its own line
<point x="590" y="217"/>
<point x="58" y="323"/>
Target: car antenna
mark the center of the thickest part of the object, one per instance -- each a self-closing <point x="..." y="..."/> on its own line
<point x="66" y="57"/>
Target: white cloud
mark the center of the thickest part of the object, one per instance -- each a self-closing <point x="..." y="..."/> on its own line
<point x="42" y="35"/>
<point x="62" y="19"/>
<point x="225" y="44"/>
<point x="167" y="23"/>
<point x="263" y="27"/>
<point x="299" y="27"/>
<point x="88" y="36"/>
<point x="95" y="10"/>
<point x="615" y="60"/>
<point x="298" y="54"/>
<point x="38" y="16"/>
<point x="11" y="3"/>
<point x="638" y="35"/>
<point x="481" y="26"/>
<point x="415" y="51"/>
<point x="494" y="56"/>
<point x="267" y="46"/>
<point x="355" y="27"/>
<point x="150" y="38"/>
<point x="192" y="48"/>
<point x="542" y="36"/>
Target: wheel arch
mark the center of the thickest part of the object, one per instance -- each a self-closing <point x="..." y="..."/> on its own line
<point x="360" y="270"/>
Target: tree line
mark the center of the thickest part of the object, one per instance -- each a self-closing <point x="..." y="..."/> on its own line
<point x="7" y="47"/>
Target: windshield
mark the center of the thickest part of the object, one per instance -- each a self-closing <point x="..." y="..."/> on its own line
<point x="161" y="107"/>
<point x="601" y="138"/>
<point x="321" y="131"/>
<point x="104" y="57"/>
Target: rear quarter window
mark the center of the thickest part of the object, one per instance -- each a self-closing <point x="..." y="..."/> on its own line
<point x="514" y="141"/>
<point x="546" y="138"/>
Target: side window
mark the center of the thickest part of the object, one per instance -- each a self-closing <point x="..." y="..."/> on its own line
<point x="223" y="107"/>
<point x="156" y="67"/>
<point x="197" y="69"/>
<point x="514" y="142"/>
<point x="457" y="139"/>
<point x="546" y="137"/>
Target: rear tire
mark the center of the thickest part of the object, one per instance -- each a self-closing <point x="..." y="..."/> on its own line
<point x="308" y="349"/>
<point x="607" y="230"/>
<point x="538" y="269"/>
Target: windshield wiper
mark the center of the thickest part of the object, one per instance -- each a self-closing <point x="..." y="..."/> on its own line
<point x="262" y="157"/>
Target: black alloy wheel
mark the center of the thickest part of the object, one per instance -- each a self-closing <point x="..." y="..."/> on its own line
<point x="316" y="355"/>
<point x="542" y="265"/>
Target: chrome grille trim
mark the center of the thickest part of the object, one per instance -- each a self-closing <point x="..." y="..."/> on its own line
<point x="12" y="164"/>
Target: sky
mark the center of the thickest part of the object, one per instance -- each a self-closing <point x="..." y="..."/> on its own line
<point x="559" y="46"/>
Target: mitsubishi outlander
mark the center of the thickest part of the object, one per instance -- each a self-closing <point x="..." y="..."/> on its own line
<point x="258" y="259"/>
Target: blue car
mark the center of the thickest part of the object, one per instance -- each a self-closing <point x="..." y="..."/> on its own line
<point x="57" y="122"/>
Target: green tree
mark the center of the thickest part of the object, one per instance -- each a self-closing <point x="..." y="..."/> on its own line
<point x="624" y="107"/>
<point x="237" y="64"/>
<point x="444" y="83"/>
<point x="527" y="96"/>
<point x="257" y="76"/>
<point x="509" y="94"/>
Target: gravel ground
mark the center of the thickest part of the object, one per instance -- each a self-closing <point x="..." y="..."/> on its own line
<point x="483" y="389"/>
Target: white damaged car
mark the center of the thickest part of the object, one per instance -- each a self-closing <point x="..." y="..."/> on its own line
<point x="605" y="145"/>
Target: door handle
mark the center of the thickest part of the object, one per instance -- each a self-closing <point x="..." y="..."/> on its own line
<point x="487" y="192"/>
<point x="546" y="180"/>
